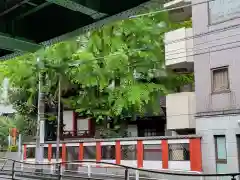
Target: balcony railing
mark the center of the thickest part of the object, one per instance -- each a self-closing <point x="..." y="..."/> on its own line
<point x="180" y="110"/>
<point x="77" y="134"/>
<point x="179" y="47"/>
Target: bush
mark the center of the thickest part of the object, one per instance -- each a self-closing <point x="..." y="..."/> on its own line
<point x="13" y="149"/>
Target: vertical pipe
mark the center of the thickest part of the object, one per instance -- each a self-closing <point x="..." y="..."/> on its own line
<point x="40" y="120"/>
<point x="58" y="120"/>
<point x="19" y="146"/>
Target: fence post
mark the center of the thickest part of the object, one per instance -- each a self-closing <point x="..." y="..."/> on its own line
<point x="136" y="175"/>
<point x="13" y="170"/>
<point x="59" y="169"/>
<point x="89" y="170"/>
<point x="126" y="174"/>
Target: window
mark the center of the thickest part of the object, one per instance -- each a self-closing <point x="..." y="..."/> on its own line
<point x="179" y="152"/>
<point x="150" y="132"/>
<point x="89" y="152"/>
<point x="128" y="152"/>
<point x="108" y="152"/>
<point x="31" y="152"/>
<point x="220" y="81"/>
<point x="222" y="10"/>
<point x="152" y="152"/>
<point x="221" y="153"/>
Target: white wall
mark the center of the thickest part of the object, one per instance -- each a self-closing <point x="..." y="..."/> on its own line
<point x="132" y="130"/>
<point x="83" y="124"/>
<point x="178" y="51"/>
<point x="180" y="110"/>
<point x="68" y="120"/>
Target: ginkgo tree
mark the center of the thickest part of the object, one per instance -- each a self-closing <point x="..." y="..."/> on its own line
<point x="116" y="70"/>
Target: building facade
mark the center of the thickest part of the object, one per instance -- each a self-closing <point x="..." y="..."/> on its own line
<point x="212" y="47"/>
<point x="217" y="88"/>
<point x="180" y="104"/>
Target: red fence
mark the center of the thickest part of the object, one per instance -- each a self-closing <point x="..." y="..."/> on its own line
<point x="179" y="153"/>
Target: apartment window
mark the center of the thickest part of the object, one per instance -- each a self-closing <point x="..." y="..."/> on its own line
<point x="222" y="10"/>
<point x="220" y="80"/>
<point x="221" y="154"/>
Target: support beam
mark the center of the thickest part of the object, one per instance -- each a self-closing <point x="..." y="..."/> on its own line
<point x="70" y="4"/>
<point x="37" y="8"/>
<point x="14" y="44"/>
<point x="13" y="8"/>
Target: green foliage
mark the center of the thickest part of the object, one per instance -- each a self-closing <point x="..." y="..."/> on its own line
<point x="6" y="124"/>
<point x="24" y="126"/>
<point x="13" y="148"/>
<point x="118" y="68"/>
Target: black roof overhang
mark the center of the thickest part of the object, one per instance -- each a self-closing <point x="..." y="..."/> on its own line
<point x="27" y="25"/>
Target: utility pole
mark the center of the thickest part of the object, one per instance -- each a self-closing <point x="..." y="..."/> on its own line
<point x="40" y="119"/>
<point x="58" y="120"/>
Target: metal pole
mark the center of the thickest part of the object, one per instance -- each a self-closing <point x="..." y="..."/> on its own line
<point x="40" y="121"/>
<point x="9" y="141"/>
<point x="19" y="146"/>
<point x="13" y="170"/>
<point x="58" y="120"/>
<point x="126" y="174"/>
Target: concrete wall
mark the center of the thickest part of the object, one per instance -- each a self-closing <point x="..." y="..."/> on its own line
<point x="179" y="51"/>
<point x="216" y="48"/>
<point x="221" y="125"/>
<point x="180" y="110"/>
<point x="207" y="59"/>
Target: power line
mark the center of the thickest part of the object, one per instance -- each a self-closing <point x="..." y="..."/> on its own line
<point x="214" y="40"/>
<point x="210" y="51"/>
<point x="170" y="9"/>
<point x="207" y="48"/>
<point x="181" y="39"/>
<point x="188" y="5"/>
<point x="194" y="54"/>
<point x="203" y="34"/>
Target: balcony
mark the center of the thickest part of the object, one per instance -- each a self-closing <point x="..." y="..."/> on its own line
<point x="179" y="49"/>
<point x="179" y="14"/>
<point x="180" y="110"/>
